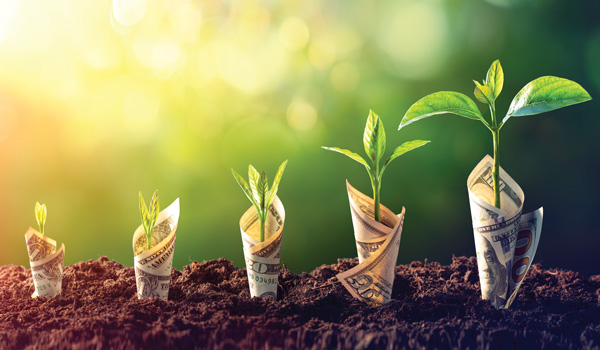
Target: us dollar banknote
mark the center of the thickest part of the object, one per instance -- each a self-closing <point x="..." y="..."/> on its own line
<point x="262" y="258"/>
<point x="153" y="266"/>
<point x="377" y="245"/>
<point x="505" y="239"/>
<point x="46" y="264"/>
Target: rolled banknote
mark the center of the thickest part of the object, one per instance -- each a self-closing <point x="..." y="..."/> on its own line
<point x="505" y="239"/>
<point x="46" y="264"/>
<point x="153" y="266"/>
<point x="262" y="258"/>
<point x="377" y="245"/>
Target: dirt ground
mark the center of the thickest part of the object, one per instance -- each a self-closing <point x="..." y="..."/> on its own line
<point x="209" y="306"/>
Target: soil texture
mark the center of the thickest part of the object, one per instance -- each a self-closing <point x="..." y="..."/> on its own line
<point x="209" y="306"/>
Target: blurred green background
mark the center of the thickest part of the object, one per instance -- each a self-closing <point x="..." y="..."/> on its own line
<point x="101" y="99"/>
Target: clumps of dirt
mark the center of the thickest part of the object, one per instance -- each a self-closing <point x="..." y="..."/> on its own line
<point x="209" y="307"/>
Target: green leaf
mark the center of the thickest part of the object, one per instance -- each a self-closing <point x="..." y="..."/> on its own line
<point x="145" y="216"/>
<point x="495" y="78"/>
<point x="253" y="178"/>
<point x="374" y="137"/>
<point x="439" y="103"/>
<point x="403" y="148"/>
<point x="546" y="94"/>
<point x="40" y="215"/>
<point x="263" y="190"/>
<point x="275" y="187"/>
<point x="350" y="154"/>
<point x="244" y="185"/>
<point x="154" y="209"/>
<point x="483" y="93"/>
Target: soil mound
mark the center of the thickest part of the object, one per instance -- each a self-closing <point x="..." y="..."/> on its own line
<point x="433" y="306"/>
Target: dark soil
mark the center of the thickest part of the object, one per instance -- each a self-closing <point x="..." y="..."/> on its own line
<point x="433" y="306"/>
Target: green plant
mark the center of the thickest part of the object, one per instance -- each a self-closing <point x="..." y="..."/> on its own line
<point x="258" y="192"/>
<point x="149" y="215"/>
<point x="540" y="95"/>
<point x="40" y="215"/>
<point x="374" y="142"/>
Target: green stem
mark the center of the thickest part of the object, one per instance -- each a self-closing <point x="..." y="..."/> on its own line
<point x="496" y="171"/>
<point x="149" y="239"/>
<point x="376" y="183"/>
<point x="261" y="219"/>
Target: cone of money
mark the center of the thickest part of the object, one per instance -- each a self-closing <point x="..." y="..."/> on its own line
<point x="262" y="258"/>
<point x="505" y="239"/>
<point x="377" y="245"/>
<point x="153" y="262"/>
<point x="46" y="262"/>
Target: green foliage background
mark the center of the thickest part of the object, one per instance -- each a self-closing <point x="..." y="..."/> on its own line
<point x="79" y="157"/>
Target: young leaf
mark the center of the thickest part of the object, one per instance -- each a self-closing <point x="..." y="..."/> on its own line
<point x="495" y="78"/>
<point x="275" y="187"/>
<point x="439" y="103"/>
<point x="374" y="137"/>
<point x="154" y="208"/>
<point x="483" y="93"/>
<point x="263" y="190"/>
<point x="253" y="177"/>
<point x="350" y="154"/>
<point x="244" y="185"/>
<point x="144" y="213"/>
<point x="403" y="148"/>
<point x="40" y="215"/>
<point x="546" y="94"/>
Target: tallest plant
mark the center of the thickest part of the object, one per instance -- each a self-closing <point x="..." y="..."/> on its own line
<point x="540" y="95"/>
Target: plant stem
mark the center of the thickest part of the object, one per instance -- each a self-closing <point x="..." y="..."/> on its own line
<point x="261" y="219"/>
<point x="376" y="183"/>
<point x="496" y="171"/>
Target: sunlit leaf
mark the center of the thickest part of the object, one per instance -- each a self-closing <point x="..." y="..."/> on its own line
<point x="275" y="187"/>
<point x="439" y="103"/>
<point x="403" y="148"/>
<point x="263" y="190"/>
<point x="244" y="185"/>
<point x="40" y="215"/>
<point x="253" y="178"/>
<point x="483" y="93"/>
<point x="350" y="154"/>
<point x="495" y="78"/>
<point x="546" y="94"/>
<point x="374" y="137"/>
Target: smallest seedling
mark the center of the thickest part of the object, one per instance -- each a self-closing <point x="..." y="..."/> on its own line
<point x="258" y="192"/>
<point x="40" y="215"/>
<point x="149" y="215"/>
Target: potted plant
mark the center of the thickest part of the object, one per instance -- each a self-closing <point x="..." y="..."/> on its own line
<point x="153" y="248"/>
<point x="46" y="262"/>
<point x="377" y="229"/>
<point x="262" y="228"/>
<point x="505" y="240"/>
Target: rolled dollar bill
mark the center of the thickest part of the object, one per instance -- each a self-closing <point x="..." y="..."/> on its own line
<point x="153" y="266"/>
<point x="46" y="264"/>
<point x="505" y="239"/>
<point x="377" y="245"/>
<point x="262" y="258"/>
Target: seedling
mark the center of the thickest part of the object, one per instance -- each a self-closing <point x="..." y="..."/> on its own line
<point x="40" y="215"/>
<point x="540" y="95"/>
<point x="374" y="142"/>
<point x="258" y="192"/>
<point x="149" y="215"/>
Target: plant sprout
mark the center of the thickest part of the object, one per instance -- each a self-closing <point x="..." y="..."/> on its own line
<point x="540" y="95"/>
<point x="374" y="142"/>
<point x="149" y="215"/>
<point x="40" y="215"/>
<point x="258" y="192"/>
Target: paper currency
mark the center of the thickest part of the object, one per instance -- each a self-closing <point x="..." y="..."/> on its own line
<point x="505" y="240"/>
<point x="262" y="259"/>
<point x="377" y="245"/>
<point x="46" y="264"/>
<point x="153" y="266"/>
